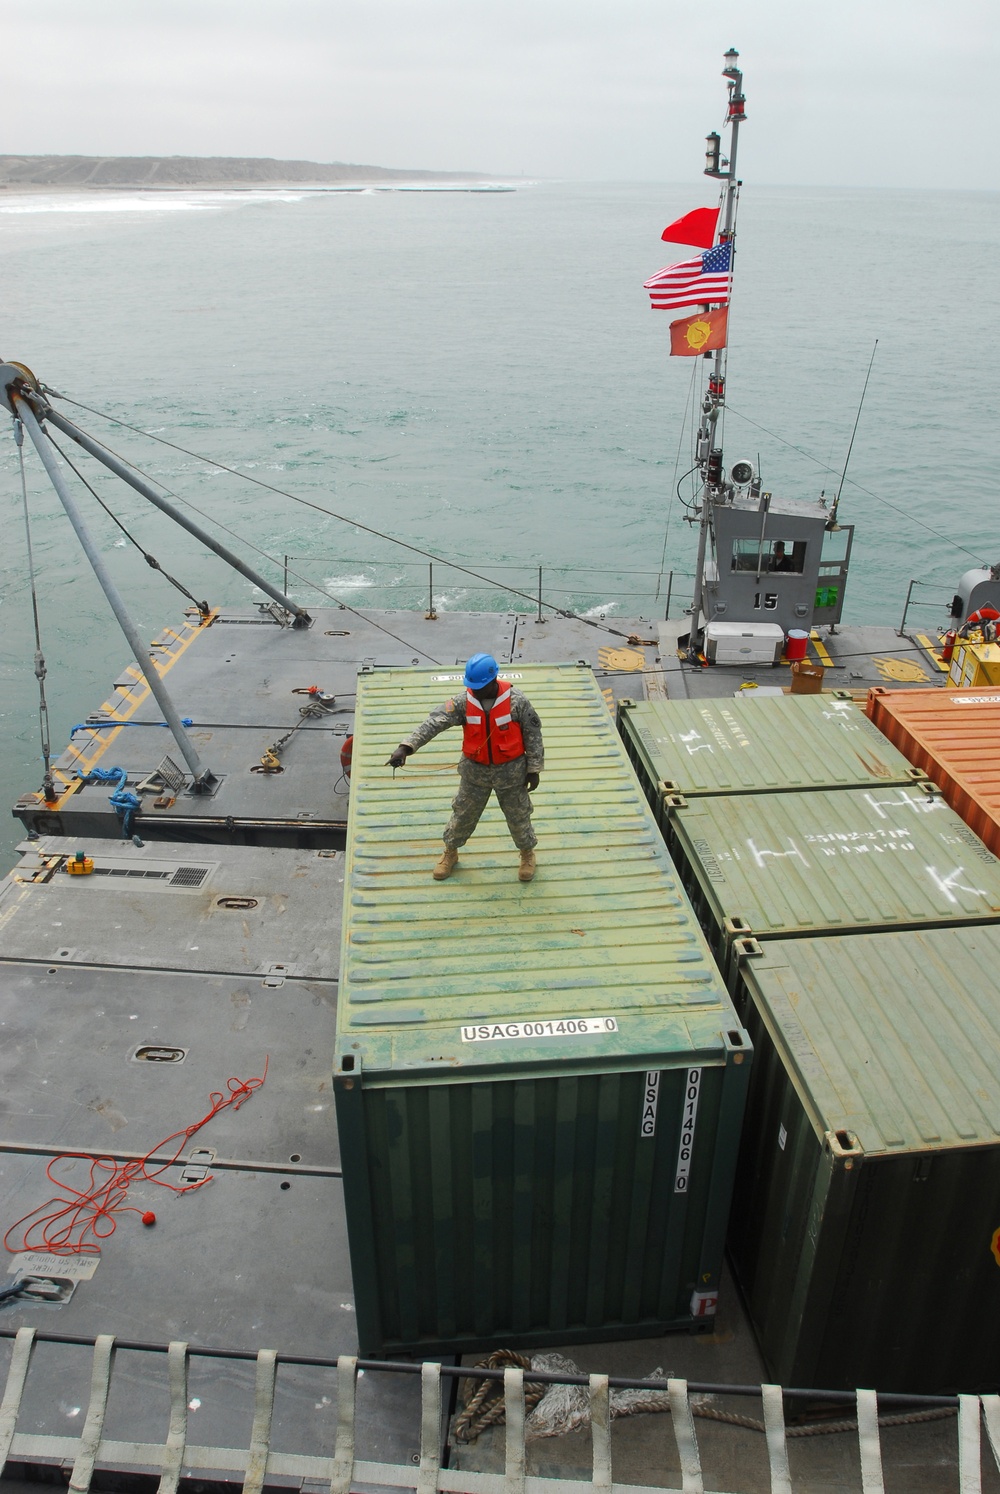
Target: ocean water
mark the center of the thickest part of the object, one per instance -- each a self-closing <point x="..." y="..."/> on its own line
<point x="480" y="375"/>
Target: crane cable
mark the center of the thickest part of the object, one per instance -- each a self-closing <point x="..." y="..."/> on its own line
<point x="328" y="513"/>
<point x="48" y="784"/>
<point x="328" y="596"/>
<point x="151" y="560"/>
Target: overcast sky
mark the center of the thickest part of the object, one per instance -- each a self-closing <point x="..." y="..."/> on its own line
<point x="840" y="92"/>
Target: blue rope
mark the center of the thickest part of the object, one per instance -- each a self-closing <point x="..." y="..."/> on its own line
<point x="96" y="725"/>
<point x="123" y="801"/>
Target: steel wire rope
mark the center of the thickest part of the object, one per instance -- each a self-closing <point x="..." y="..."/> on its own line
<point x="48" y="785"/>
<point x="675" y="484"/>
<point x="150" y="560"/>
<point x="852" y="482"/>
<point x="306" y="581"/>
<point x="318" y="508"/>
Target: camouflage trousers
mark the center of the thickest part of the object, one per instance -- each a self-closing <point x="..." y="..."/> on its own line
<point x="478" y="781"/>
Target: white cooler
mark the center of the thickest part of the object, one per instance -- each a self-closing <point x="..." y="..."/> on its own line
<point x="743" y="643"/>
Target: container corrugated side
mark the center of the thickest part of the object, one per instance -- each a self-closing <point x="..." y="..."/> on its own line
<point x="865" y="1231"/>
<point x="752" y="744"/>
<point x="539" y="1086"/>
<point x="783" y="865"/>
<point x="952" y="735"/>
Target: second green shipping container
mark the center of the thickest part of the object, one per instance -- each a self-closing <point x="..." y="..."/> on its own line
<point x="774" y="866"/>
<point x="866" y="1218"/>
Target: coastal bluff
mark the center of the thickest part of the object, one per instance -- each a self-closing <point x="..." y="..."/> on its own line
<point x="79" y="173"/>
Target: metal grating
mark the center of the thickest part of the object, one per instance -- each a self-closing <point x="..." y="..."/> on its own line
<point x="23" y="1452"/>
<point x="171" y="775"/>
<point x="130" y="871"/>
<point x="189" y="876"/>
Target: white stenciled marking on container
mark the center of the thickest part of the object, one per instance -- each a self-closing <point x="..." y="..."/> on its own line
<point x="555" y="1027"/>
<point x="947" y="885"/>
<point x="650" y="1100"/>
<point x="440" y="679"/>
<point x="903" y="799"/>
<point x="689" y="1114"/>
<point x="760" y="854"/>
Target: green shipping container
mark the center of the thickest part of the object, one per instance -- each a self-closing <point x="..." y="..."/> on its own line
<point x="866" y="1218"/>
<point x="539" y="1086"/>
<point x="857" y="860"/>
<point x="750" y="744"/>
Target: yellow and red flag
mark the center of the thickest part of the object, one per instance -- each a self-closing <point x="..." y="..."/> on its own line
<point x="703" y="333"/>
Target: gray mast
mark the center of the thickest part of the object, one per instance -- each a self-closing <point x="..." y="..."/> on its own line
<point x="17" y="384"/>
<point x="707" y="453"/>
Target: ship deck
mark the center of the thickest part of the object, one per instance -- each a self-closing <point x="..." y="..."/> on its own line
<point x="258" y="1259"/>
<point x="242" y="680"/>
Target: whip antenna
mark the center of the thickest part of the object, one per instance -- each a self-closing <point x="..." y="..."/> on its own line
<point x="850" y="448"/>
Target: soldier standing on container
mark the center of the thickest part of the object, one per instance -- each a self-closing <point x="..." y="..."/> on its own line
<point x="502" y="753"/>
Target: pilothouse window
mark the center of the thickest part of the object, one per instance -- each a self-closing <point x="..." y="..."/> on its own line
<point x="772" y="555"/>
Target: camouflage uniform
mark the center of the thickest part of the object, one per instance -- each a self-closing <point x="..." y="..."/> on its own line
<point x="479" y="780"/>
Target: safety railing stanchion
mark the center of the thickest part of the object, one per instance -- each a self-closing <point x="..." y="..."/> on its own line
<point x="343" y="1453"/>
<point x="430" y="1428"/>
<point x="970" y="1476"/>
<point x="777" y="1446"/>
<point x="14" y="1389"/>
<point x="684" y="1436"/>
<point x="869" y="1443"/>
<point x="513" y="1402"/>
<point x="260" y="1432"/>
<point x="173" y="1452"/>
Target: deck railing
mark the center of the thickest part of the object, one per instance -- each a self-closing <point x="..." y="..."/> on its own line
<point x="942" y="608"/>
<point x="412" y="585"/>
<point x="96" y="1459"/>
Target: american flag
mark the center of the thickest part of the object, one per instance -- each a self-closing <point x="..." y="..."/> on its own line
<point x="693" y="282"/>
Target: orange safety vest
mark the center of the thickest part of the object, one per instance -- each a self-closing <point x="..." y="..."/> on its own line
<point x="492" y="739"/>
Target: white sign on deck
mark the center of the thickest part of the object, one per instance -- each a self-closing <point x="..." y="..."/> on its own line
<point x="556" y="1027"/>
<point x="41" y="1263"/>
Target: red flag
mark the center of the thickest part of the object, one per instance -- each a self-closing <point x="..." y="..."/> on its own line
<point x="703" y="333"/>
<point x="697" y="227"/>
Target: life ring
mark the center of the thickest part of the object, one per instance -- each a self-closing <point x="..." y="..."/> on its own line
<point x="346" y="753"/>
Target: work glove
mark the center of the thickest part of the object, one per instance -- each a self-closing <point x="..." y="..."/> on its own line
<point x="399" y="757"/>
<point x="531" y="782"/>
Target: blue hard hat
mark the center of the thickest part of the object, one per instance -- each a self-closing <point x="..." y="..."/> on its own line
<point x="481" y="670"/>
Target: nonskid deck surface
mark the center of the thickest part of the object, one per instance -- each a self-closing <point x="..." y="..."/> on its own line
<point x="254" y="911"/>
<point x="853" y="658"/>
<point x="92" y="970"/>
<point x="243" y="680"/>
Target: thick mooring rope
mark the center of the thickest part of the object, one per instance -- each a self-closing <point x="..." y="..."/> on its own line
<point x="483" y="1407"/>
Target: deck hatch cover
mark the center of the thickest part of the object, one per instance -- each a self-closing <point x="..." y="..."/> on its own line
<point x="171" y="775"/>
<point x="189" y="876"/>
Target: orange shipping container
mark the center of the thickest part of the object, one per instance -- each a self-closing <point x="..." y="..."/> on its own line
<point x="954" y="735"/>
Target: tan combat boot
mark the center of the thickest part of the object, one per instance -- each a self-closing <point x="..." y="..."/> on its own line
<point x="526" y="870"/>
<point x="446" y="865"/>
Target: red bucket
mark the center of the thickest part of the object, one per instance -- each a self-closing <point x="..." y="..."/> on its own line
<point x="796" y="645"/>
